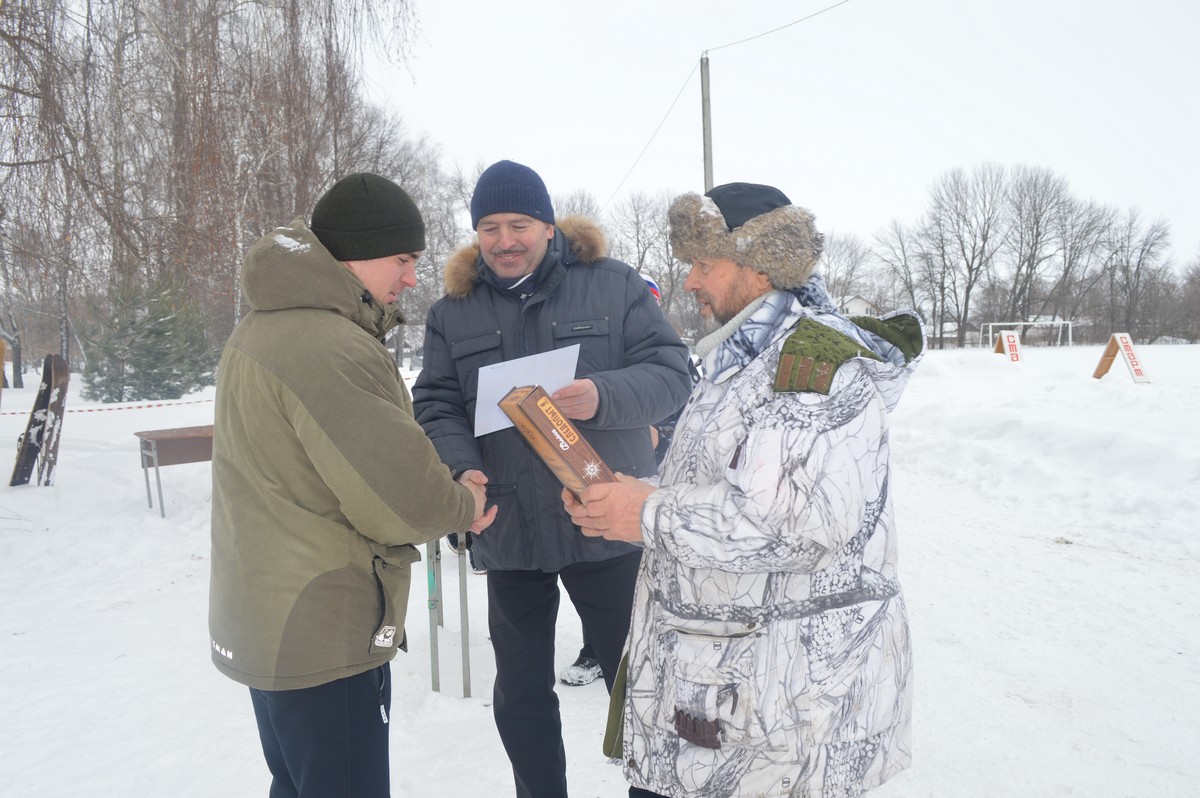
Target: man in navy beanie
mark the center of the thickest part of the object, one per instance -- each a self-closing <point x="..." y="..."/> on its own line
<point x="532" y="283"/>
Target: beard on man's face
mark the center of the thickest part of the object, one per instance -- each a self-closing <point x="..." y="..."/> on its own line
<point x="710" y="321"/>
<point x="721" y="310"/>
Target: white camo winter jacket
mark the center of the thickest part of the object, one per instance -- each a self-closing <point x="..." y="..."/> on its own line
<point x="769" y="651"/>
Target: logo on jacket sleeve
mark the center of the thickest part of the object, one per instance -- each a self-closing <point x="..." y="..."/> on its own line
<point x="386" y="637"/>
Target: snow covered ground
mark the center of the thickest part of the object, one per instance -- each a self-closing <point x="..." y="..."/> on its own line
<point x="1049" y="553"/>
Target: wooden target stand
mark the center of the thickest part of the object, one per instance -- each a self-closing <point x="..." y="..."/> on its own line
<point x="1121" y="344"/>
<point x="1009" y="343"/>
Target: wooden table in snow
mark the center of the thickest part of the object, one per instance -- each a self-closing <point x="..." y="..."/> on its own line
<point x="164" y="447"/>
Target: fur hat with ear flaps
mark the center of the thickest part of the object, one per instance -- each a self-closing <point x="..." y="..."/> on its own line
<point x="751" y="224"/>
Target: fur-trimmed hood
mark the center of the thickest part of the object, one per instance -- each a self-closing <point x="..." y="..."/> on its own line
<point x="587" y="245"/>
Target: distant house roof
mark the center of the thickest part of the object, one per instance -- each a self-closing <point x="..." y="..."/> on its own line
<point x="857" y="305"/>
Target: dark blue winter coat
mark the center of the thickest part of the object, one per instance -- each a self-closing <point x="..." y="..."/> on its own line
<point x="627" y="348"/>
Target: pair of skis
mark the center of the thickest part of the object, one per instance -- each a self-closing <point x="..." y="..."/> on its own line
<point x="37" y="448"/>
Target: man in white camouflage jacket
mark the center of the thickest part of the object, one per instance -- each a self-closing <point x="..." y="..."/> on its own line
<point x="769" y="650"/>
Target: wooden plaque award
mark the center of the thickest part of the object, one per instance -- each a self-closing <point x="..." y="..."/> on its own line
<point x="555" y="438"/>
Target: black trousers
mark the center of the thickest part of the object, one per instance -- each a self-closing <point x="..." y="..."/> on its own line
<point x="522" y="612"/>
<point x="329" y="741"/>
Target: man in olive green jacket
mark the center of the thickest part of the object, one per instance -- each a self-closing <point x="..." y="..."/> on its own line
<point x="323" y="485"/>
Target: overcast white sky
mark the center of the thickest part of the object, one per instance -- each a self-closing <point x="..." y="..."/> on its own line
<point x="853" y="113"/>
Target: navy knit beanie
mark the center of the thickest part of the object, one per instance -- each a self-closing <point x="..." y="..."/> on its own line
<point x="510" y="187"/>
<point x="364" y="216"/>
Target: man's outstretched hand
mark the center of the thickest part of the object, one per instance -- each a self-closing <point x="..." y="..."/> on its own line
<point x="476" y="481"/>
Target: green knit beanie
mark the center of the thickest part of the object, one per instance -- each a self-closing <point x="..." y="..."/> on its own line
<point x="365" y="216"/>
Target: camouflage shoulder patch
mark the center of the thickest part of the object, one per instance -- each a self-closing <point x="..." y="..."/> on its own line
<point x="811" y="355"/>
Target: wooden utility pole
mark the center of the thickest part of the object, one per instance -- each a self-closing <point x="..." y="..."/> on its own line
<point x="706" y="114"/>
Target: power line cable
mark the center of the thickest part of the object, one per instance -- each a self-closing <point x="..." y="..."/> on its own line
<point x="638" y="160"/>
<point x="687" y="80"/>
<point x="776" y="30"/>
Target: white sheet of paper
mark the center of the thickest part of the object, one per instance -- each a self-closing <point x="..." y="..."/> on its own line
<point x="551" y="370"/>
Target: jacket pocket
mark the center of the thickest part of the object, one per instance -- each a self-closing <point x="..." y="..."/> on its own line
<point x="468" y="355"/>
<point x="504" y="498"/>
<point x="393" y="578"/>
<point x="728" y="692"/>
<point x="496" y="492"/>
<point x="465" y="347"/>
<point x="627" y="470"/>
<point x="592" y="337"/>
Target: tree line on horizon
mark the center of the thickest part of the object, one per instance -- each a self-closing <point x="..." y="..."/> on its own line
<point x="145" y="146"/>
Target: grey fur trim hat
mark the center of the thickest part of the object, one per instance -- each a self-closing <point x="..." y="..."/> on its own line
<point x="751" y="224"/>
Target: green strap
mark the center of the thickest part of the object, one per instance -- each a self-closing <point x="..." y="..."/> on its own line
<point x="614" y="743"/>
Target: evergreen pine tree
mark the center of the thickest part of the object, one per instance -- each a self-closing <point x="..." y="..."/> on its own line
<point x="158" y="351"/>
<point x="109" y="350"/>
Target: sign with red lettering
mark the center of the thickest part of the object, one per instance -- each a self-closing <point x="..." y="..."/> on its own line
<point x="1121" y="344"/>
<point x="1009" y="343"/>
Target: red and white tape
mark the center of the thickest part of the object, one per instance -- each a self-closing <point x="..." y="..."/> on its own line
<point x="129" y="407"/>
<point x="123" y="407"/>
